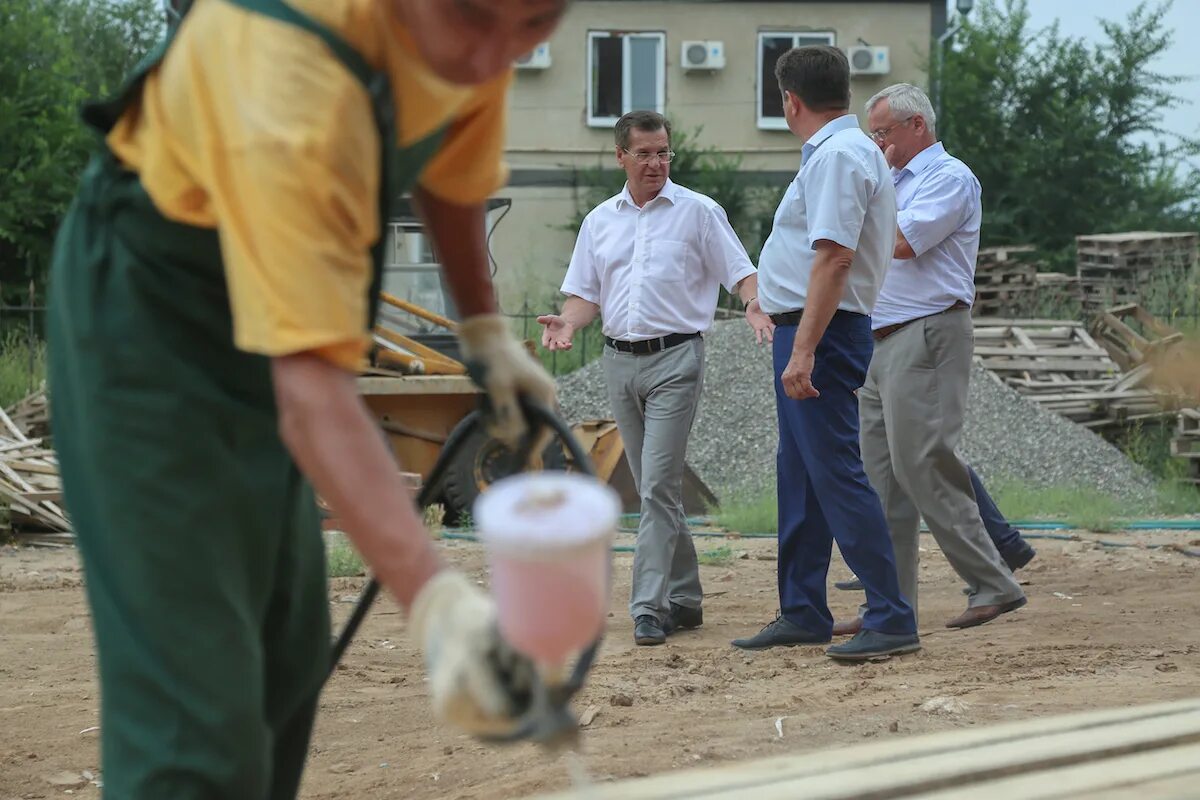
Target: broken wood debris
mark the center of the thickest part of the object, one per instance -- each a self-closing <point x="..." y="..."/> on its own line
<point x="29" y="481"/>
<point x="1062" y="367"/>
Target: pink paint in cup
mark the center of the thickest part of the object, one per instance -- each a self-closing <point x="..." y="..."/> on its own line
<point x="549" y="538"/>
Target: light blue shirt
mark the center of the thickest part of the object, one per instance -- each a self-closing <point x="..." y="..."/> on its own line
<point x="940" y="212"/>
<point x="843" y="193"/>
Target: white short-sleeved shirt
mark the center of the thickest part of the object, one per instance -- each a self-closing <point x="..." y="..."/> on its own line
<point x="940" y="211"/>
<point x="842" y="193"/>
<point x="655" y="270"/>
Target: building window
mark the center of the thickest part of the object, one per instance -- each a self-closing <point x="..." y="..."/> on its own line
<point x="771" y="45"/>
<point x="626" y="71"/>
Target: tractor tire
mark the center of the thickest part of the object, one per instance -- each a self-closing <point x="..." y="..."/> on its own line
<point x="482" y="461"/>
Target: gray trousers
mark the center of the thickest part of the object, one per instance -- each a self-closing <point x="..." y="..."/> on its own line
<point x="911" y="410"/>
<point x="654" y="399"/>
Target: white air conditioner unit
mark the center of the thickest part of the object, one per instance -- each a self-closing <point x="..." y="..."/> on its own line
<point x="537" y="58"/>
<point x="702" y="55"/>
<point x="869" y="60"/>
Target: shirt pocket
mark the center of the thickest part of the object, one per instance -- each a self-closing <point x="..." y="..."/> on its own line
<point x="668" y="260"/>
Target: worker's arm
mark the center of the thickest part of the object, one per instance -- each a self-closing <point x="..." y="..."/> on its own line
<point x="558" y="329"/>
<point x="460" y="242"/>
<point x="494" y="357"/>
<point x="826" y="284"/>
<point x="328" y="430"/>
<point x="476" y="680"/>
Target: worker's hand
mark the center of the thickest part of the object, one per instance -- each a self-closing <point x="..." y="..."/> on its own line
<point x="760" y="322"/>
<point x="478" y="683"/>
<point x="556" y="332"/>
<point x="797" y="376"/>
<point x="505" y="370"/>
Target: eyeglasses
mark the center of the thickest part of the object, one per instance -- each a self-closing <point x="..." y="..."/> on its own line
<point x="882" y="133"/>
<point x="664" y="156"/>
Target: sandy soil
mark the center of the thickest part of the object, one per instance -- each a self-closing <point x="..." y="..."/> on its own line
<point x="1104" y="627"/>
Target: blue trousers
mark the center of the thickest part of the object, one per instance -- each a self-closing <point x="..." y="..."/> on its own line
<point x="823" y="489"/>
<point x="1006" y="538"/>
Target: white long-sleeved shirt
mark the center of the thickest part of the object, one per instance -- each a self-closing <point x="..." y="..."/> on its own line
<point x="655" y="270"/>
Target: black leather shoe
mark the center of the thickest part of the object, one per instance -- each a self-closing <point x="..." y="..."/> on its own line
<point x="779" y="633"/>
<point x="647" y="631"/>
<point x="870" y="645"/>
<point x="683" y="618"/>
<point x="853" y="585"/>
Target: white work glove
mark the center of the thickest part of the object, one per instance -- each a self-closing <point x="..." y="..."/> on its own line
<point x="477" y="681"/>
<point x="505" y="370"/>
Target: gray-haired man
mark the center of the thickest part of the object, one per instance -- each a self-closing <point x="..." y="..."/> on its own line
<point x="915" y="396"/>
<point x="649" y="262"/>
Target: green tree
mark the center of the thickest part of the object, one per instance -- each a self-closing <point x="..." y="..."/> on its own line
<point x="54" y="54"/>
<point x="1059" y="132"/>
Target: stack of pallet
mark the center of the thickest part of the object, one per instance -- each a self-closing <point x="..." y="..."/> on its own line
<point x="1115" y="268"/>
<point x="1186" y="444"/>
<point x="1005" y="281"/>
<point x="1058" y="365"/>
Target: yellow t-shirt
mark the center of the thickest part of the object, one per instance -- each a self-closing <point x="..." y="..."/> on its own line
<point x="252" y="126"/>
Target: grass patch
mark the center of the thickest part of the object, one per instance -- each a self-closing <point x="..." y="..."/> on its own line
<point x="22" y="366"/>
<point x="749" y="514"/>
<point x="343" y="561"/>
<point x="716" y="556"/>
<point x="1079" y="507"/>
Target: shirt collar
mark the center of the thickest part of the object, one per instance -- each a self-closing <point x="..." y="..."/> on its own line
<point x="669" y="192"/>
<point x="922" y="160"/>
<point x="842" y="123"/>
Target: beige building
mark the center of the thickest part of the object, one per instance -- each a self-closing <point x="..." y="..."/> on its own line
<point x="703" y="63"/>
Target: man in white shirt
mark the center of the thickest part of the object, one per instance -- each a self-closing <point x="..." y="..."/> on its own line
<point x="649" y="261"/>
<point x="819" y="273"/>
<point x="915" y="397"/>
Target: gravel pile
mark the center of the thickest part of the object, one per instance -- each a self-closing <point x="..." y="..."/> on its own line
<point x="733" y="441"/>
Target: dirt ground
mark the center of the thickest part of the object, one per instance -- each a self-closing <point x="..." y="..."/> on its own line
<point x="1104" y="627"/>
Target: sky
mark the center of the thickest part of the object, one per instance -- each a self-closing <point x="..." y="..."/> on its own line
<point x="1080" y="18"/>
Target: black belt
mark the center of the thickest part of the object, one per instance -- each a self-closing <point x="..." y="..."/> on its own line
<point x="787" y="317"/>
<point x="887" y="330"/>
<point x="649" y="346"/>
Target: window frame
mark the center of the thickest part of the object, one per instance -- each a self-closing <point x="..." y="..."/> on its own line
<point x="660" y="89"/>
<point x="778" y="123"/>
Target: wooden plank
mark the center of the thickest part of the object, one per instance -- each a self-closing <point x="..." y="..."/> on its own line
<point x="1088" y="780"/>
<point x="29" y="466"/>
<point x="1049" y="365"/>
<point x="1037" y="352"/>
<point x="40" y="497"/>
<point x="955" y="760"/>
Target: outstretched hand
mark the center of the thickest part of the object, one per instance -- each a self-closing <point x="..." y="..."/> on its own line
<point x="556" y="332"/>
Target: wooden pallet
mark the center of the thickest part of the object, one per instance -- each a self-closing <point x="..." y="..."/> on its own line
<point x="1061" y="367"/>
<point x="1112" y="268"/>
<point x="1147" y="752"/>
<point x="1005" y="278"/>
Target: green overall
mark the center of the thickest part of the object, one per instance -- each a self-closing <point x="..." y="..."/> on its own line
<point x="200" y="540"/>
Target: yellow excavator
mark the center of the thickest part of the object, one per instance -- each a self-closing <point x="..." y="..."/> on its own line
<point x="418" y="388"/>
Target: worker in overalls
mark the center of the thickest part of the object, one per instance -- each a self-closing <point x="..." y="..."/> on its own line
<point x="213" y="289"/>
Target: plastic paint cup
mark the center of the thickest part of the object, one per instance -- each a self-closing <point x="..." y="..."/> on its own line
<point x="548" y="537"/>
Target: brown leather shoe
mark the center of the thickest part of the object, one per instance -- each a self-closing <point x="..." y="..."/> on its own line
<point x="847" y="628"/>
<point x="981" y="614"/>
